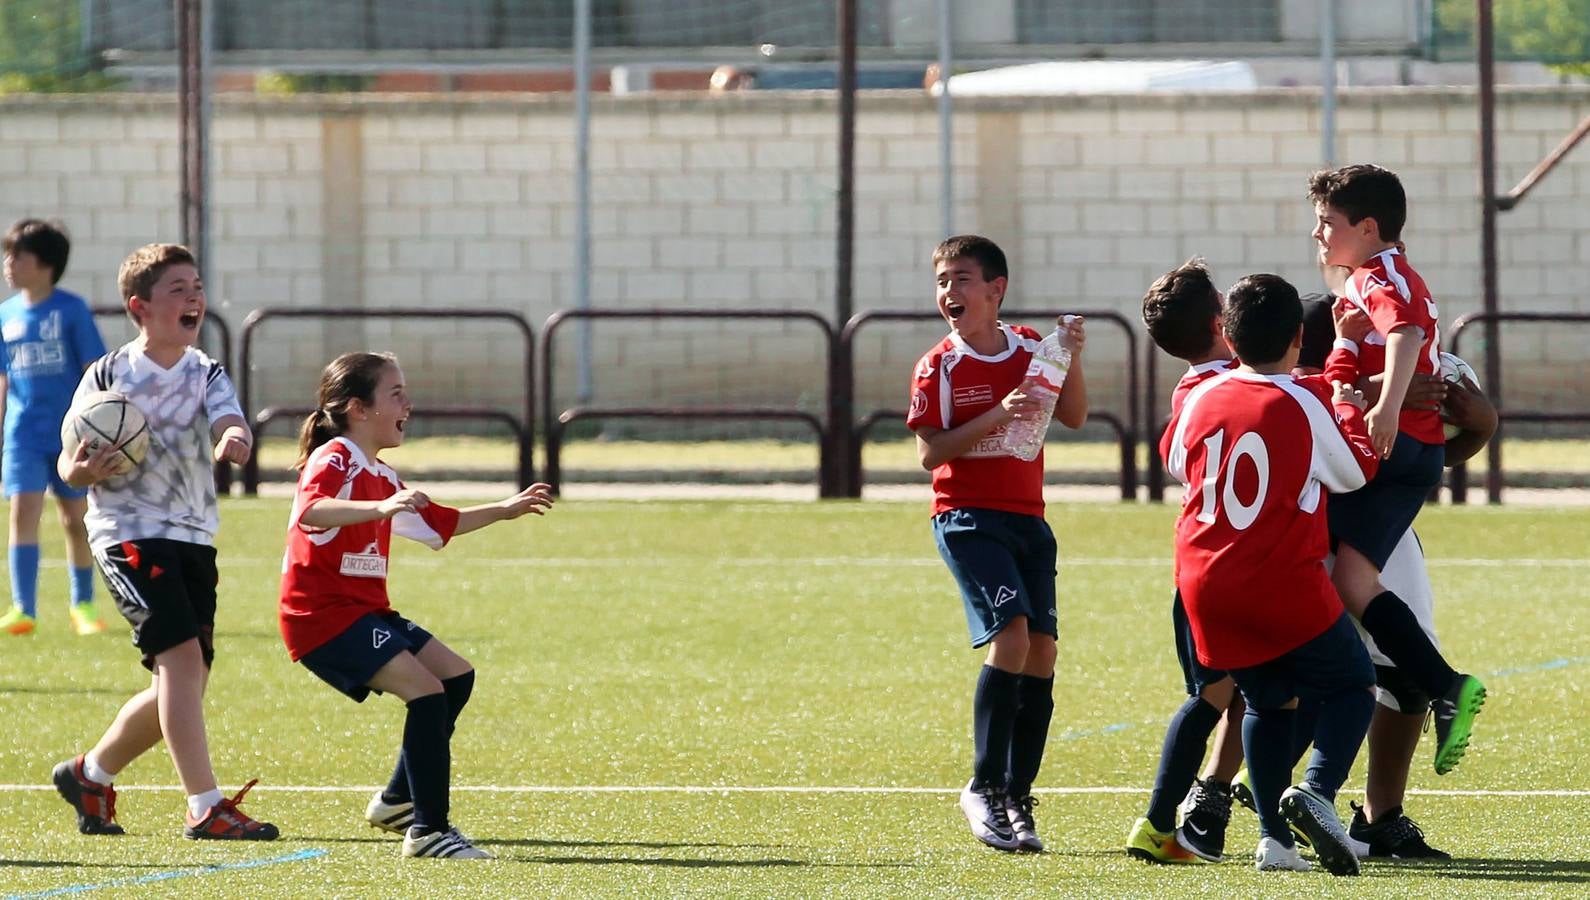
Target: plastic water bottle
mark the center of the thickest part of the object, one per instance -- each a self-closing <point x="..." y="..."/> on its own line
<point x="1050" y="363"/>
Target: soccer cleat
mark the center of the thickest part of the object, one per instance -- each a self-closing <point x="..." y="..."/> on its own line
<point x="393" y="817"/>
<point x="95" y="803"/>
<point x="17" y="622"/>
<point x="86" y="619"/>
<point x="1271" y="856"/>
<point x="225" y="822"/>
<point x="984" y="808"/>
<point x="1394" y="836"/>
<point x="1242" y="792"/>
<point x="1018" y="811"/>
<point x="1204" y="816"/>
<point x="1305" y="810"/>
<point x="447" y="844"/>
<point x="1152" y="846"/>
<point x="1454" y="721"/>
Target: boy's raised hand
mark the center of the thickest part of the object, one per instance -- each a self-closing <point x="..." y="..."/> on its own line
<point x="1342" y="392"/>
<point x="1020" y="403"/>
<point x="537" y="499"/>
<point x="1076" y="333"/>
<point x="233" y="447"/>
<point x="1351" y="322"/>
<point x="406" y="500"/>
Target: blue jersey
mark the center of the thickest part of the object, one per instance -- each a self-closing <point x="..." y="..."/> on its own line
<point x="47" y="346"/>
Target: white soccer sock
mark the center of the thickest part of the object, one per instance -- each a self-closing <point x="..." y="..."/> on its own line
<point x="93" y="772"/>
<point x="199" y="804"/>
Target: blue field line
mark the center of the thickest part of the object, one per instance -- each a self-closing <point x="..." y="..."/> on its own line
<point x="1546" y="666"/>
<point x="297" y="856"/>
<point x="1094" y="732"/>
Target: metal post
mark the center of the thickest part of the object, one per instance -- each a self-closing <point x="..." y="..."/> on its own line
<point x="1486" y="52"/>
<point x="582" y="190"/>
<point x="190" y="104"/>
<point x="839" y="478"/>
<point x="1327" y="59"/>
<point x="946" y="134"/>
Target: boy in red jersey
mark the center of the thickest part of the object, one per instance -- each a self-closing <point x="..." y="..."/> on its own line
<point x="989" y="526"/>
<point x="1360" y="211"/>
<point x="1257" y="451"/>
<point x="335" y="615"/>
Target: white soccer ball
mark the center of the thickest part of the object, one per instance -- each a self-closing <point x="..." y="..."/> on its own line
<point x="1455" y="370"/>
<point x="106" y="417"/>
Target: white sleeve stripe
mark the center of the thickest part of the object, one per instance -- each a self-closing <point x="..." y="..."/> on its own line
<point x="413" y="526"/>
<point x="1334" y="461"/>
<point x="946" y="394"/>
<point x="1397" y="279"/>
<point x="1176" y="465"/>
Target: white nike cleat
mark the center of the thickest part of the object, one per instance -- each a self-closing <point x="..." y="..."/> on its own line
<point x="1271" y="856"/>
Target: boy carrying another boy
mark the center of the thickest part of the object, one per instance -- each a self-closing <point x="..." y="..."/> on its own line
<point x="1257" y="452"/>
<point x="1360" y="211"/>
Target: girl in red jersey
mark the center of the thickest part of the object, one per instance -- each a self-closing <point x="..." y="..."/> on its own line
<point x="335" y="615"/>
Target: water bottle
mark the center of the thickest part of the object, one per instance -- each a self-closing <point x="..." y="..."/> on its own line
<point x="1050" y="363"/>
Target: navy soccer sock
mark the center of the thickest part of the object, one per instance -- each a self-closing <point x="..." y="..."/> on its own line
<point x="1304" y="720"/>
<point x="1267" y="742"/>
<point x="993" y="719"/>
<point x="1030" y="733"/>
<point x="1398" y="635"/>
<point x="1186" y="742"/>
<point x="458" y="688"/>
<point x="427" y="758"/>
<point x="1343" y="722"/>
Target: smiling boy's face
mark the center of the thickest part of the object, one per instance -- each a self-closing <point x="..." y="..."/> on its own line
<point x="965" y="300"/>
<point x="174" y="309"/>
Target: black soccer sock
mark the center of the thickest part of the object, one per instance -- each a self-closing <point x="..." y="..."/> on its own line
<point x="1398" y="635"/>
<point x="1030" y="733"/>
<point x="1267" y="743"/>
<point x="458" y="688"/>
<point x="427" y="758"/>
<point x="1186" y="741"/>
<point x="1343" y="722"/>
<point x="1304" y="720"/>
<point x="993" y="719"/>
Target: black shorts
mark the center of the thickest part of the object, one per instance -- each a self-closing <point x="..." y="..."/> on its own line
<point x="1334" y="661"/>
<point x="1374" y="518"/>
<point x="166" y="590"/>
<point x="1195" y="674"/>
<point x="348" y="661"/>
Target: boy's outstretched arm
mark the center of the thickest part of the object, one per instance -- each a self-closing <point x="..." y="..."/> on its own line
<point x="1468" y="408"/>
<point x="937" y="446"/>
<point x="535" y="499"/>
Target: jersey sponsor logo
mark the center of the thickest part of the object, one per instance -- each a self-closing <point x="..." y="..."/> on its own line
<point x="919" y="404"/>
<point x="379" y="636"/>
<point x="366" y="564"/>
<point x="1004" y="595"/>
<point x="977" y="393"/>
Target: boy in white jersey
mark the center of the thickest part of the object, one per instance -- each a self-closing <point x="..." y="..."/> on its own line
<point x="152" y="531"/>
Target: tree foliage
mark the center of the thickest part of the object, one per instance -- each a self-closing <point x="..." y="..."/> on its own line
<point x="42" y="49"/>
<point x="1555" y="32"/>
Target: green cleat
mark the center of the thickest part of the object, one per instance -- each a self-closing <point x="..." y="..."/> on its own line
<point x="17" y="622"/>
<point x="1454" y="721"/>
<point x="1152" y="846"/>
<point x="86" y="619"/>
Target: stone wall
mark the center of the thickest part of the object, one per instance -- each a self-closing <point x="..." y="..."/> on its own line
<point x="701" y="201"/>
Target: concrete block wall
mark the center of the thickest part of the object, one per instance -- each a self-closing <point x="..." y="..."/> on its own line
<point x="702" y="201"/>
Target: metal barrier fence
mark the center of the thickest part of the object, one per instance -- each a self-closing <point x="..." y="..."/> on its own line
<point x="554" y="423"/>
<point x="523" y="425"/>
<point x="1493" y="474"/>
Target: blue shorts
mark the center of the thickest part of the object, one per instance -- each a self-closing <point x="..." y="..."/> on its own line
<point x="1004" y="563"/>
<point x="348" y="661"/>
<point x="25" y="471"/>
<point x="1196" y="675"/>
<point x="1333" y="662"/>
<point x="1374" y="518"/>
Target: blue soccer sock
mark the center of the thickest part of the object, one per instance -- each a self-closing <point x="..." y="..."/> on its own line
<point x="1343" y="722"/>
<point x="994" y="708"/>
<point x="1186" y="742"/>
<point x="1030" y="732"/>
<point x="1306" y="718"/>
<point x="25" y="577"/>
<point x="82" y="585"/>
<point x="1267" y="742"/>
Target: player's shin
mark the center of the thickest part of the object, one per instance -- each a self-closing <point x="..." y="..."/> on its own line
<point x="1186" y="739"/>
<point x="1400" y="637"/>
<point x="1267" y="742"/>
<point x="1030" y="732"/>
<point x="428" y="760"/>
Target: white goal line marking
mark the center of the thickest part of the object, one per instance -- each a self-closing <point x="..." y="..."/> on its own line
<point x="744" y="789"/>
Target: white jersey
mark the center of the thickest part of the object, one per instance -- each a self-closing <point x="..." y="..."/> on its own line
<point x="171" y="494"/>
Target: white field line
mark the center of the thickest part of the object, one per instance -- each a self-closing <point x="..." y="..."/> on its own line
<point x="744" y="789"/>
<point x="860" y="562"/>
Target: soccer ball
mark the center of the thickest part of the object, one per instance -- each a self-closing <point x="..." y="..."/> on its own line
<point x="106" y="417"/>
<point x="1455" y="370"/>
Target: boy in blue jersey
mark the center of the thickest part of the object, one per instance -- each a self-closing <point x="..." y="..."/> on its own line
<point x="49" y="339"/>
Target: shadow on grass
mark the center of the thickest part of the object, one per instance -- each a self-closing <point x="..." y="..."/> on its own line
<point x="647" y="845"/>
<point x="64" y="691"/>
<point x="73" y="864"/>
<point x="676" y="863"/>
<point x="1568" y="871"/>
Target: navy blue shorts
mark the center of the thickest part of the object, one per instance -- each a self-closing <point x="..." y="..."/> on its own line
<point x="1335" y="661"/>
<point x="1196" y="675"/>
<point x="1004" y="563"/>
<point x="1374" y="518"/>
<point x="348" y="661"/>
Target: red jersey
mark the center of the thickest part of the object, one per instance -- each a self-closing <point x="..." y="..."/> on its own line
<point x="332" y="576"/>
<point x="1257" y="453"/>
<point x="1394" y="296"/>
<point x="954" y="384"/>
